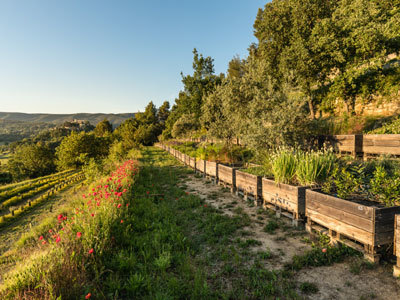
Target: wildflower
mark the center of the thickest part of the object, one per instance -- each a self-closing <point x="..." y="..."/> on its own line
<point x="91" y="251"/>
<point x="147" y="192"/>
<point x="50" y="231"/>
<point x="324" y="250"/>
<point x="44" y="243"/>
<point x="127" y="204"/>
<point x="58" y="239"/>
<point x="88" y="296"/>
<point x="83" y="196"/>
<point x="92" y="215"/>
<point x="122" y="221"/>
<point x="41" y="238"/>
<point x="60" y="217"/>
<point x="119" y="205"/>
<point x="78" y="234"/>
<point x="124" y="191"/>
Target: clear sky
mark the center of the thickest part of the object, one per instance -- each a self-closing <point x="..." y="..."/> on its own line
<point x="111" y="56"/>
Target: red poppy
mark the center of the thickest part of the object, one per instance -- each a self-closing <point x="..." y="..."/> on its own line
<point x="119" y="205"/>
<point x="122" y="221"/>
<point x="88" y="296"/>
<point x="324" y="250"/>
<point x="44" y="242"/>
<point x="41" y="238"/>
<point x="58" y="239"/>
<point x="91" y="251"/>
<point x="78" y="234"/>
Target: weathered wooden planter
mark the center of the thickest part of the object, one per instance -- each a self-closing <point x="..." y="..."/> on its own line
<point x="396" y="248"/>
<point x="346" y="144"/>
<point x="212" y="170"/>
<point x="226" y="176"/>
<point x="363" y="226"/>
<point x="178" y="155"/>
<point x="286" y="199"/>
<point x="192" y="162"/>
<point x="378" y="144"/>
<point x="249" y="184"/>
<point x="201" y="166"/>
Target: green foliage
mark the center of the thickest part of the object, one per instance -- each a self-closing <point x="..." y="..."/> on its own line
<point x="308" y="288"/>
<point x="386" y="188"/>
<point x="103" y="128"/>
<point x="314" y="167"/>
<point x="375" y="180"/>
<point x="78" y="148"/>
<point x="321" y="254"/>
<point x="392" y="127"/>
<point x="284" y="164"/>
<point x="31" y="161"/>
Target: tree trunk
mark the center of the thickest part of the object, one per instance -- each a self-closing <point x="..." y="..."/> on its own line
<point x="311" y="108"/>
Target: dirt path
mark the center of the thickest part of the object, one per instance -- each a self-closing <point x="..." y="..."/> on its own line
<point x="348" y="280"/>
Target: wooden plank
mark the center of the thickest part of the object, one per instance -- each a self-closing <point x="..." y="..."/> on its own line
<point x="381" y="150"/>
<point x="247" y="182"/>
<point x="287" y="196"/>
<point x="340" y="215"/>
<point x="353" y="232"/>
<point x="345" y="205"/>
<point x="200" y="164"/>
<point x="225" y="174"/>
<point x="211" y="168"/>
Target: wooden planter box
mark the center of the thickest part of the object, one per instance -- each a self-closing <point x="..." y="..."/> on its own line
<point x="250" y="185"/>
<point x="186" y="159"/>
<point x="226" y="175"/>
<point x="212" y="169"/>
<point x="178" y="155"/>
<point x="201" y="166"/>
<point x="396" y="248"/>
<point x="286" y="197"/>
<point x="377" y="144"/>
<point x="346" y="144"/>
<point x="192" y="162"/>
<point x="360" y="226"/>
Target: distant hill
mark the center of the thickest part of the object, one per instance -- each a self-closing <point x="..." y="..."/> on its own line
<point x="115" y="119"/>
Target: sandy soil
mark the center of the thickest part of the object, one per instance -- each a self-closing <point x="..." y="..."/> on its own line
<point x="333" y="282"/>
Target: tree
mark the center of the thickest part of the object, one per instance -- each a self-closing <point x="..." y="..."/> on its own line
<point x="163" y="113"/>
<point x="357" y="40"/>
<point x="76" y="149"/>
<point x="285" y="33"/>
<point x="31" y="161"/>
<point x="186" y="123"/>
<point x="236" y="67"/>
<point x="103" y="128"/>
<point x="197" y="87"/>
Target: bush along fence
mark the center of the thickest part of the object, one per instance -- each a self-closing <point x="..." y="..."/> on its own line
<point x="363" y="146"/>
<point x="366" y="226"/>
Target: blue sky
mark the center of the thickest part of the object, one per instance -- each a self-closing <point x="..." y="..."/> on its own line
<point x="112" y="56"/>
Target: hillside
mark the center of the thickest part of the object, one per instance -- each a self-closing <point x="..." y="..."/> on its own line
<point x="115" y="119"/>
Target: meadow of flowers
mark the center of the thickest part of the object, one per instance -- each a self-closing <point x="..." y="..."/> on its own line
<point x="68" y="257"/>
